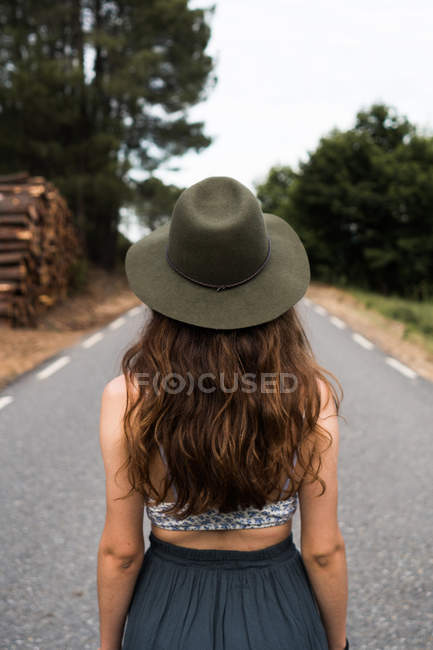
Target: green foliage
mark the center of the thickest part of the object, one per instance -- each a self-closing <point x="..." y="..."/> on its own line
<point x="363" y="205"/>
<point x="90" y="89"/>
<point x="418" y="316"/>
<point x="384" y="126"/>
<point x="123" y="243"/>
<point x="78" y="275"/>
<point x="154" y="201"/>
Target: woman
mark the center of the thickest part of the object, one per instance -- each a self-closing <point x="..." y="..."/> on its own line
<point x="220" y="424"/>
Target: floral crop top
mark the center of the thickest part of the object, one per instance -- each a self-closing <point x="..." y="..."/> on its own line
<point x="272" y="514"/>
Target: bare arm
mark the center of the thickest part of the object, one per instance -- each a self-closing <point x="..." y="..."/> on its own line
<point x="322" y="544"/>
<point x="121" y="548"/>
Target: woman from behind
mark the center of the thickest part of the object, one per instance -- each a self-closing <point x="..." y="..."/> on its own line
<point x="220" y="424"/>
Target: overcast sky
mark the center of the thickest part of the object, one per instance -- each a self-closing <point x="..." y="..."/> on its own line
<point x="290" y="70"/>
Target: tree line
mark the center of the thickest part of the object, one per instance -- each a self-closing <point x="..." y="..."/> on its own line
<point x="92" y="89"/>
<point x="362" y="203"/>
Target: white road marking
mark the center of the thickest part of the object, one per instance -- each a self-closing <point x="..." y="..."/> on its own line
<point x="5" y="400"/>
<point x="117" y="323"/>
<point x="401" y="367"/>
<point x="134" y="311"/>
<point x="338" y="322"/>
<point x="368" y="345"/>
<point x="53" y="367"/>
<point x="361" y="340"/>
<point x="92" y="340"/>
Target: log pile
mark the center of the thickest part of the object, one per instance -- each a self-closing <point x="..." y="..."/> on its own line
<point x="38" y="244"/>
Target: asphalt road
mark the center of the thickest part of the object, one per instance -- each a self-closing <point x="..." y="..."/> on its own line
<point x="52" y="491"/>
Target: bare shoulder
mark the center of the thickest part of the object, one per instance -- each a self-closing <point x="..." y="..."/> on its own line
<point x="113" y="403"/>
<point x="327" y="402"/>
<point x="115" y="391"/>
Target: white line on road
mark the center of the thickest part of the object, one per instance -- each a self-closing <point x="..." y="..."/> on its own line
<point x="368" y="345"/>
<point x="338" y="322"/>
<point x="117" y="323"/>
<point x="92" y="340"/>
<point x="53" y="367"/>
<point x="320" y="310"/>
<point x="401" y="367"/>
<point x="134" y="311"/>
<point x="5" y="400"/>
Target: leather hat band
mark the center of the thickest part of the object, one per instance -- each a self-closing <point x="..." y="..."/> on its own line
<point x="220" y="287"/>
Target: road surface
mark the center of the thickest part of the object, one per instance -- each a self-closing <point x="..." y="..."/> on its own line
<point x="52" y="490"/>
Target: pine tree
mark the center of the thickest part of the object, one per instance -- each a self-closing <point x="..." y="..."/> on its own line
<point x="92" y="88"/>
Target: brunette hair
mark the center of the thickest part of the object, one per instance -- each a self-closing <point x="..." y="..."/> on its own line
<point x="225" y="449"/>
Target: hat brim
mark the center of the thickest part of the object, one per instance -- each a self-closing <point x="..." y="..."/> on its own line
<point x="276" y="288"/>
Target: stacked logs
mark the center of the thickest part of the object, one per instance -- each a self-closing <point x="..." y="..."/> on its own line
<point x="38" y="245"/>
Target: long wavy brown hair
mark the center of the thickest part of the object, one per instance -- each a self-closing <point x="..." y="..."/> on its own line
<point x="228" y="429"/>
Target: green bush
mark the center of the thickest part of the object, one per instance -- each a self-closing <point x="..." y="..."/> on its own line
<point x="78" y="275"/>
<point x="123" y="243"/>
<point x="416" y="315"/>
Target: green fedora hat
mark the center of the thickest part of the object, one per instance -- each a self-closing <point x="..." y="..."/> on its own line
<point x="219" y="262"/>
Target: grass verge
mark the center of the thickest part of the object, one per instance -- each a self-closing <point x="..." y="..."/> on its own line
<point x="417" y="317"/>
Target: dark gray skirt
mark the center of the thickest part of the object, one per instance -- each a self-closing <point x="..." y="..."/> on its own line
<point x="210" y="599"/>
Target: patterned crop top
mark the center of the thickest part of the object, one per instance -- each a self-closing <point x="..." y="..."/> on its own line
<point x="272" y="514"/>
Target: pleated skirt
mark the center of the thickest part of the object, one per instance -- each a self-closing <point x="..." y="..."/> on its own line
<point x="210" y="599"/>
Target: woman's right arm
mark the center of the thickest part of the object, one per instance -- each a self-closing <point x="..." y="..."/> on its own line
<point x="322" y="544"/>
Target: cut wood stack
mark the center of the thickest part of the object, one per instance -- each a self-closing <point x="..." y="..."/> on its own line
<point x="38" y="244"/>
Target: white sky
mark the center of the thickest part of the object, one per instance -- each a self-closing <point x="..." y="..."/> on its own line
<point x="290" y="70"/>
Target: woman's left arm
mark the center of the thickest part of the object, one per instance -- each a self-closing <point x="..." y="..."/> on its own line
<point x="121" y="547"/>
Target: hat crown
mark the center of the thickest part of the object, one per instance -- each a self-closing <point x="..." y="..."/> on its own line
<point x="217" y="232"/>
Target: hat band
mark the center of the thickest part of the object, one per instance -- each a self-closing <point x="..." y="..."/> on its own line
<point x="220" y="287"/>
